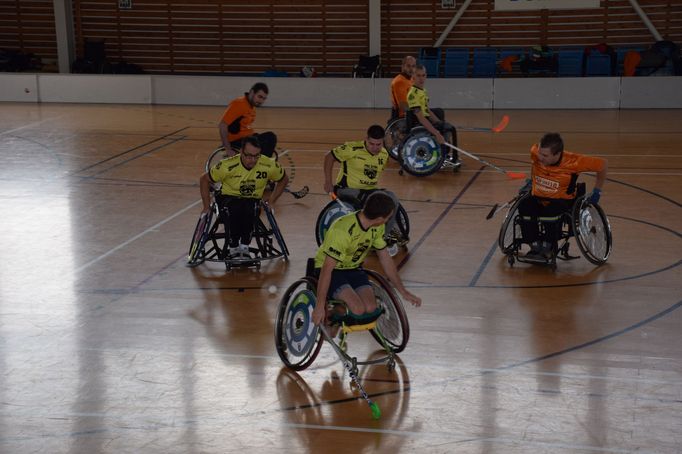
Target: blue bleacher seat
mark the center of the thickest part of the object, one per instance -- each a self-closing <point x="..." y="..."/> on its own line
<point x="430" y="58"/>
<point x="597" y="64"/>
<point x="456" y="62"/>
<point x="485" y="62"/>
<point x="570" y="62"/>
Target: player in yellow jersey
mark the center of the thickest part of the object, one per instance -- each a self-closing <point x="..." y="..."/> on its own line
<point x="433" y="120"/>
<point x="362" y="163"/>
<point x="344" y="249"/>
<point x="243" y="178"/>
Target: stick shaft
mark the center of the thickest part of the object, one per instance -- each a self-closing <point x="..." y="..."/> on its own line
<point x="473" y="156"/>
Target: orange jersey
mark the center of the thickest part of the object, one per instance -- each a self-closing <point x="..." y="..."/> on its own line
<point x="400" y="85"/>
<point x="552" y="182"/>
<point x="238" y="117"/>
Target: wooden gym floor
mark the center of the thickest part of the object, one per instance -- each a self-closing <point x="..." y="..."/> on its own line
<point x="111" y="344"/>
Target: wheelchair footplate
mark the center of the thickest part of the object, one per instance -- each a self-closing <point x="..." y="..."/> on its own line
<point x="243" y="262"/>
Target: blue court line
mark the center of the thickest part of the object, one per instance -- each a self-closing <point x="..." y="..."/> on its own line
<point x="128" y="151"/>
<point x="484" y="264"/>
<point x="438" y="220"/>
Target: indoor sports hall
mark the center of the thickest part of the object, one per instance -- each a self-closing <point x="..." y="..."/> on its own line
<point x="111" y="343"/>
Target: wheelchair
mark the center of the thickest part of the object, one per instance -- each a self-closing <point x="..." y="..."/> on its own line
<point x="344" y="205"/>
<point x="415" y="149"/>
<point x="209" y="240"/>
<point x="585" y="221"/>
<point x="298" y="340"/>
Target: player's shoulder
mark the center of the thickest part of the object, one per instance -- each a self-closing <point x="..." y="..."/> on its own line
<point x="228" y="164"/>
<point x="267" y="162"/>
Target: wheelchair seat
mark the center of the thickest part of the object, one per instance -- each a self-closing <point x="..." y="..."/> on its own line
<point x="585" y="221"/>
<point x="209" y="240"/>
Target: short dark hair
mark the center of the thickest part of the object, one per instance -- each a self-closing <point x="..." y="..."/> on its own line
<point x="253" y="140"/>
<point x="378" y="205"/>
<point x="553" y="141"/>
<point x="420" y="66"/>
<point x="260" y="86"/>
<point x="376" y="132"/>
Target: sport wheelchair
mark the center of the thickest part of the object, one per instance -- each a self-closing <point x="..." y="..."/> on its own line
<point x="586" y="221"/>
<point x="209" y="241"/>
<point x="342" y="205"/>
<point x="298" y="340"/>
<point x="416" y="150"/>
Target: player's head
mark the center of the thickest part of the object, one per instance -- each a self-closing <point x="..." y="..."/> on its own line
<point x="375" y="139"/>
<point x="258" y="94"/>
<point x="551" y="147"/>
<point x="419" y="76"/>
<point x="250" y="151"/>
<point x="378" y="205"/>
<point x="408" y="65"/>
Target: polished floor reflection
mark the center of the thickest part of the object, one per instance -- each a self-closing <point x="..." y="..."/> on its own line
<point x="111" y="344"/>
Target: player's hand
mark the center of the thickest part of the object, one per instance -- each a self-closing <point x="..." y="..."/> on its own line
<point x="595" y="196"/>
<point x="526" y="187"/>
<point x="318" y="314"/>
<point x="328" y="187"/>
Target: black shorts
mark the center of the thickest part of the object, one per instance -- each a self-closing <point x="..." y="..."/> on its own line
<point x="341" y="279"/>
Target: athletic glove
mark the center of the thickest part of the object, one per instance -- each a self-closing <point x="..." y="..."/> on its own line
<point x="595" y="195"/>
<point x="526" y="187"/>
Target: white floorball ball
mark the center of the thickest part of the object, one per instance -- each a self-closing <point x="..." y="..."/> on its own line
<point x="272" y="289"/>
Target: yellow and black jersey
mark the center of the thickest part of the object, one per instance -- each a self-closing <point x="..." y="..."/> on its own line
<point x="360" y="169"/>
<point x="348" y="243"/>
<point x="239" y="181"/>
<point x="418" y="99"/>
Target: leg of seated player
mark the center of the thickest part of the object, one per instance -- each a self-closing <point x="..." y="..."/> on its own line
<point x="241" y="221"/>
<point x="529" y="210"/>
<point x="552" y="209"/>
<point x="353" y="288"/>
<point x="231" y="239"/>
<point x="349" y="193"/>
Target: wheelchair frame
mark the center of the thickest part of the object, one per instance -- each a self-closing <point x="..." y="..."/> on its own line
<point x="335" y="209"/>
<point x="415" y="150"/>
<point x="298" y="341"/>
<point x="206" y="241"/>
<point x="586" y="222"/>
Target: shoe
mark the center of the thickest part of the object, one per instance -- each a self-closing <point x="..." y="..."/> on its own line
<point x="393" y="249"/>
<point x="233" y="252"/>
<point x="244" y="251"/>
<point x="536" y="253"/>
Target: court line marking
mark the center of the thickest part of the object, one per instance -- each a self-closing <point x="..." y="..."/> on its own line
<point x="438" y="220"/>
<point x="136" y="237"/>
<point x="30" y="125"/>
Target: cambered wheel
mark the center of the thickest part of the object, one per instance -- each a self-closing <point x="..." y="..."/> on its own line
<point x="506" y="238"/>
<point x="392" y="324"/>
<point x="396" y="132"/>
<point x="592" y="231"/>
<point x="330" y="213"/>
<point x="297" y="339"/>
